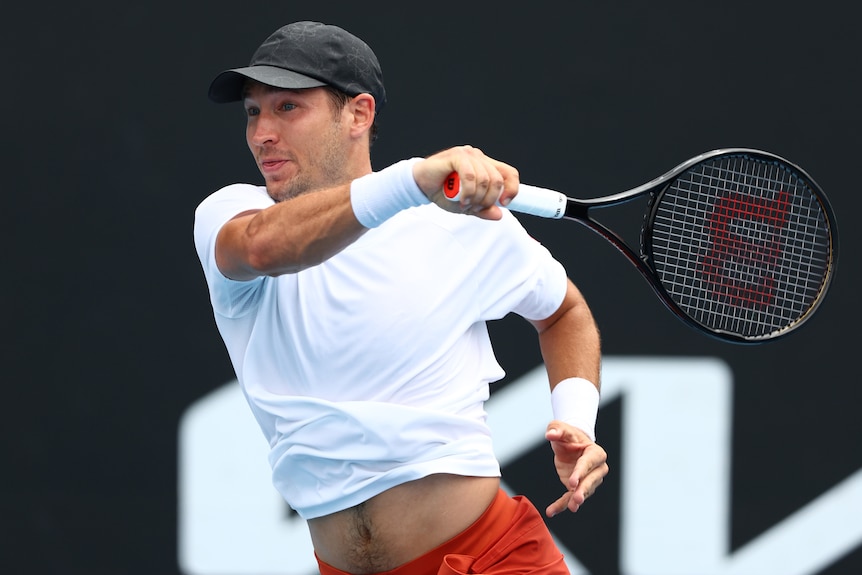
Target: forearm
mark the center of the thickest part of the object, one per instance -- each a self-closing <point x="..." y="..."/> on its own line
<point x="303" y="232"/>
<point x="307" y="230"/>
<point x="290" y="236"/>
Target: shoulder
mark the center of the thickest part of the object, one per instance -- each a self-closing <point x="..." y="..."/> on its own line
<point x="247" y="195"/>
<point x="224" y="204"/>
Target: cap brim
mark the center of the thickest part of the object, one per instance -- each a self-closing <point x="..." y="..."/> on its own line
<point x="228" y="86"/>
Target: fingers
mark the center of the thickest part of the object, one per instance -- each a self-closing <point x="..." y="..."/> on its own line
<point x="571" y="500"/>
<point x="581" y="465"/>
<point x="484" y="181"/>
<point x="559" y="505"/>
<point x="587" y="486"/>
<point x="581" y="489"/>
<point x="565" y="433"/>
<point x="589" y="470"/>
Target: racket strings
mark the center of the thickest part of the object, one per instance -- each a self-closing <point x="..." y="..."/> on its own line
<point x="741" y="245"/>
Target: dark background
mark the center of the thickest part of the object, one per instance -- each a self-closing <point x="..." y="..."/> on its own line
<point x="110" y="143"/>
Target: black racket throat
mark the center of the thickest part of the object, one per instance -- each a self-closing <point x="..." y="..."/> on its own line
<point x="579" y="213"/>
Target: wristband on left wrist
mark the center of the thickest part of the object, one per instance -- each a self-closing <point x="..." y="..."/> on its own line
<point x="576" y="401"/>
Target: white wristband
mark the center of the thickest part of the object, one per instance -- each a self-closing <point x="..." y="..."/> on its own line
<point x="576" y="401"/>
<point x="378" y="196"/>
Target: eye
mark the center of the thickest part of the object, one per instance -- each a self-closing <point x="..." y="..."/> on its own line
<point x="287" y="107"/>
<point x="252" y="111"/>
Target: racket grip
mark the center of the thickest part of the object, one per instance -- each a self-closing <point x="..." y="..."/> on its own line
<point x="531" y="200"/>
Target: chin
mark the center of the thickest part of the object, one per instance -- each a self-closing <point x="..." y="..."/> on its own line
<point x="283" y="190"/>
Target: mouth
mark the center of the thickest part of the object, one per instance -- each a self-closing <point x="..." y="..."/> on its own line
<point x="271" y="165"/>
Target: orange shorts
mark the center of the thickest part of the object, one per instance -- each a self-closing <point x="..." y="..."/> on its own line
<point x="509" y="538"/>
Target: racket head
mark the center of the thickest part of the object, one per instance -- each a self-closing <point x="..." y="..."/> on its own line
<point x="742" y="243"/>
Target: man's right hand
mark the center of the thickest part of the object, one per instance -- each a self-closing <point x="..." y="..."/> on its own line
<point x="486" y="183"/>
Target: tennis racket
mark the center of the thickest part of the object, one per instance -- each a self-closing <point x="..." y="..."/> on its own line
<point x="738" y="243"/>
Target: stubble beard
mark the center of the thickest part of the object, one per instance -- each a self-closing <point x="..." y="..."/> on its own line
<point x="325" y="169"/>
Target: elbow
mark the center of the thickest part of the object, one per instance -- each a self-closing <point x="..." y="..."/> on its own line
<point x="258" y="251"/>
<point x="260" y="260"/>
<point x="245" y="250"/>
<point x="269" y="257"/>
<point x="267" y="261"/>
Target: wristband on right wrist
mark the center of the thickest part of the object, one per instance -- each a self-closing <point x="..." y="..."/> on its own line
<point x="378" y="196"/>
<point x="576" y="401"/>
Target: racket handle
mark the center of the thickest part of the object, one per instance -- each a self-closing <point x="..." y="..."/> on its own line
<point x="531" y="200"/>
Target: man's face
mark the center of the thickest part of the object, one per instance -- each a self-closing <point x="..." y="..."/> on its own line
<point x="296" y="138"/>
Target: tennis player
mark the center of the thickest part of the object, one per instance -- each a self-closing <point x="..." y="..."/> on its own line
<point x="353" y="305"/>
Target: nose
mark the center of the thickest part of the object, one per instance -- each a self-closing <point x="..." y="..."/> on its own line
<point x="261" y="130"/>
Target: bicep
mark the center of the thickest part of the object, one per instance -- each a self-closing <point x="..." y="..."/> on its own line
<point x="569" y="339"/>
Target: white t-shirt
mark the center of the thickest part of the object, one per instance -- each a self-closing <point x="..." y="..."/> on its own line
<point x="371" y="369"/>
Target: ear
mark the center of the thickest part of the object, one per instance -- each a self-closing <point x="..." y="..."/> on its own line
<point x="362" y="108"/>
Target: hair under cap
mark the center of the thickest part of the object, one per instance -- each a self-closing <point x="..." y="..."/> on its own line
<point x="307" y="55"/>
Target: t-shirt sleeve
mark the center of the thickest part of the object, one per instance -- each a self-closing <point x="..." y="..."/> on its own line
<point x="523" y="277"/>
<point x="228" y="297"/>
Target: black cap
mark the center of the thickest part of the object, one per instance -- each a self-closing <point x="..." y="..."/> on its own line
<point x="306" y="55"/>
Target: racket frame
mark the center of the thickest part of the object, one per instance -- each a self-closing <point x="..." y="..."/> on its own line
<point x="579" y="210"/>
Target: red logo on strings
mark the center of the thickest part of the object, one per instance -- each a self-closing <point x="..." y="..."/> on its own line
<point x="745" y="246"/>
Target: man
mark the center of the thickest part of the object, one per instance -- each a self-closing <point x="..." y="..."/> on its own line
<point x="353" y="306"/>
